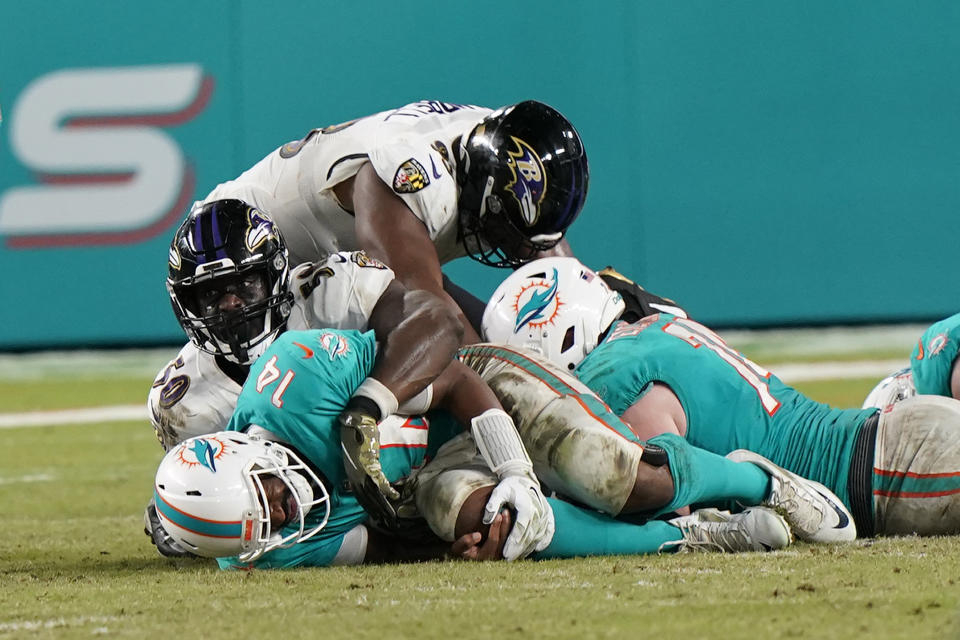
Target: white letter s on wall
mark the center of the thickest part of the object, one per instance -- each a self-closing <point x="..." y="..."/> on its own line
<point x="93" y="135"/>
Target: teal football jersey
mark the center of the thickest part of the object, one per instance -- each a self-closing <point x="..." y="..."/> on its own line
<point x="932" y="359"/>
<point x="730" y="402"/>
<point x="296" y="390"/>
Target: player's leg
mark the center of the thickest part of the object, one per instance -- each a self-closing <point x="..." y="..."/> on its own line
<point x="581" y="532"/>
<point x="558" y="423"/>
<point x="916" y="468"/>
<point x="583" y="451"/>
<point x="585" y="532"/>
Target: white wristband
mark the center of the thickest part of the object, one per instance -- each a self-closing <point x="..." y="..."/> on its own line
<point x="500" y="444"/>
<point x="375" y="390"/>
<point x="419" y="403"/>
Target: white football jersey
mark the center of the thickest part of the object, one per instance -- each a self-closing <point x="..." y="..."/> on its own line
<point x="194" y="394"/>
<point x="412" y="150"/>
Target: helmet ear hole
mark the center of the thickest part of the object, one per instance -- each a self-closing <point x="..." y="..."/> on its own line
<point x="569" y="339"/>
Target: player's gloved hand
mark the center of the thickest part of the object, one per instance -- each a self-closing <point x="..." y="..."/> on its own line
<point x="360" y="446"/>
<point x="164" y="542"/>
<point x="533" y="527"/>
<point x="500" y="445"/>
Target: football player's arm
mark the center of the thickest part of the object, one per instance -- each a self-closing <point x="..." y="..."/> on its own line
<point x="463" y="393"/>
<point x="390" y="232"/>
<point x="656" y="411"/>
<point x="418" y="336"/>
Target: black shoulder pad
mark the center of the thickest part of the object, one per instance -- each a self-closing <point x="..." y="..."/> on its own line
<point x="640" y="302"/>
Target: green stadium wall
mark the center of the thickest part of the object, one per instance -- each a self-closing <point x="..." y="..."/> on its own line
<point x="764" y="163"/>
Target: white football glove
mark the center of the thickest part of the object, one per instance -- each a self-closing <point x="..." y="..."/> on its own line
<point x="533" y="528"/>
<point x="500" y="445"/>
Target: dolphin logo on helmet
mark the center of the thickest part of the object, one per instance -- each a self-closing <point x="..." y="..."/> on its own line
<point x="543" y="295"/>
<point x="202" y="452"/>
<point x="535" y="319"/>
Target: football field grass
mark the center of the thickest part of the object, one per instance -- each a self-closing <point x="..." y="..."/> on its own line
<point x="74" y="561"/>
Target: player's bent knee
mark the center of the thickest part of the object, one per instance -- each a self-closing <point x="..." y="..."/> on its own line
<point x="579" y="454"/>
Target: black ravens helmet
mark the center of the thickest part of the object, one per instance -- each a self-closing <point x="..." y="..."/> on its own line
<point x="523" y="179"/>
<point x="228" y="279"/>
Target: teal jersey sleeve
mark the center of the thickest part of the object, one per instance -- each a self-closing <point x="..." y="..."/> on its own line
<point x="932" y="359"/>
<point x="615" y="370"/>
<point x="730" y="402"/>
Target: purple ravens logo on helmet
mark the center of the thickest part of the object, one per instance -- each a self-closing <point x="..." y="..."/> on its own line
<point x="260" y="229"/>
<point x="529" y="182"/>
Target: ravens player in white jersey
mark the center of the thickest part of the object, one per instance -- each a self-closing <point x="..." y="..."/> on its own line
<point x="232" y="293"/>
<point x="418" y="186"/>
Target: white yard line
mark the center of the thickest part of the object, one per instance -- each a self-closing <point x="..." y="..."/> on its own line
<point x="802" y="372"/>
<point x="37" y="477"/>
<point x="54" y="623"/>
<point x="73" y="416"/>
<point x="787" y="371"/>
